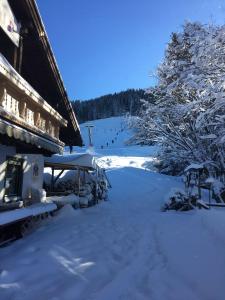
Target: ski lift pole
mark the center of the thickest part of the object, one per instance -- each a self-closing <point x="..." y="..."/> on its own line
<point x="89" y="127"/>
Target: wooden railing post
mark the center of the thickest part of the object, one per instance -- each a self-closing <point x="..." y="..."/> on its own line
<point x="37" y="117"/>
<point x="2" y="93"/>
<point x="22" y="108"/>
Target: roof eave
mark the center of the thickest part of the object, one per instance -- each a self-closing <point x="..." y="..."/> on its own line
<point x="32" y="5"/>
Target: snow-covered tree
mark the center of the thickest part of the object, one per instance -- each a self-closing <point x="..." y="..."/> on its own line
<point x="188" y="116"/>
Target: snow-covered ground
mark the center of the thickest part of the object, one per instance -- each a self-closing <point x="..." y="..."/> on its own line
<point x="125" y="248"/>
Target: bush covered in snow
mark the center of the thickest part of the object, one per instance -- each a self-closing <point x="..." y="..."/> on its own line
<point x="179" y="200"/>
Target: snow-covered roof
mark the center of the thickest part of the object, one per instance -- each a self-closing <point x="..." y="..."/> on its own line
<point x="85" y="160"/>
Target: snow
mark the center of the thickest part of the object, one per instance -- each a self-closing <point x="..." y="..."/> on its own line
<point x="12" y="216"/>
<point x="105" y="132"/>
<point x="79" y="159"/>
<point x="194" y="167"/>
<point x="21" y="213"/>
<point x="208" y="136"/>
<point x="69" y="199"/>
<point x="125" y="248"/>
<point x="62" y="200"/>
<point x="210" y="180"/>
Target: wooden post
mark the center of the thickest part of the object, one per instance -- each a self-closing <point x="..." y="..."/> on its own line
<point x="37" y="117"/>
<point x="57" y="132"/>
<point x="199" y="189"/>
<point x="52" y="180"/>
<point x="15" y="57"/>
<point x="84" y="177"/>
<point x="78" y="182"/>
<point x="57" y="177"/>
<point x="22" y="108"/>
<point x="3" y="93"/>
<point x="210" y="194"/>
<point x="20" y="55"/>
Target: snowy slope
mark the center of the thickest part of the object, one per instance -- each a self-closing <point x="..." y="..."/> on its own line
<point x="105" y="131"/>
<point x="125" y="248"/>
<point x="109" y="141"/>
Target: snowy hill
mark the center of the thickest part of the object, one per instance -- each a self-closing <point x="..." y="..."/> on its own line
<point x="111" y="131"/>
<point x="109" y="139"/>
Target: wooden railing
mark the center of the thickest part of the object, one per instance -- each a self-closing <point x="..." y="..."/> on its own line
<point x="20" y="107"/>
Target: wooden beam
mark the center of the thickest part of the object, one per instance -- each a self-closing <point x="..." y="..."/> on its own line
<point x="216" y="204"/>
<point x="57" y="177"/>
<point x="20" y="55"/>
<point x="52" y="180"/>
<point x="78" y="182"/>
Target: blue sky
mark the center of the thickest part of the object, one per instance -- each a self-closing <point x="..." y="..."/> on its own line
<point x="105" y="46"/>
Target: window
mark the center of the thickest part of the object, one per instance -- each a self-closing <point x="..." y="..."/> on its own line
<point x="13" y="179"/>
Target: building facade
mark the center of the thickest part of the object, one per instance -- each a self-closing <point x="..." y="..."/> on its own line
<point x="36" y="117"/>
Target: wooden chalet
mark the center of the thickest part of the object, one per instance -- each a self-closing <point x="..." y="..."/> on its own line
<point x="36" y="116"/>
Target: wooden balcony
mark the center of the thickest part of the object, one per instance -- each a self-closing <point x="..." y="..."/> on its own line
<point x="23" y="106"/>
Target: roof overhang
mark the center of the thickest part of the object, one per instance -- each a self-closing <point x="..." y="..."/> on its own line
<point x="27" y="137"/>
<point x="52" y="61"/>
<point x="28" y="10"/>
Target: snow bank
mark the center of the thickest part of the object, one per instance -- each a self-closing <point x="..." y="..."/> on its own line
<point x="63" y="200"/>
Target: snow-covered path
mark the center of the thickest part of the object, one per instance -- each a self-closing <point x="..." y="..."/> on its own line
<point x="125" y="248"/>
<point x="99" y="253"/>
